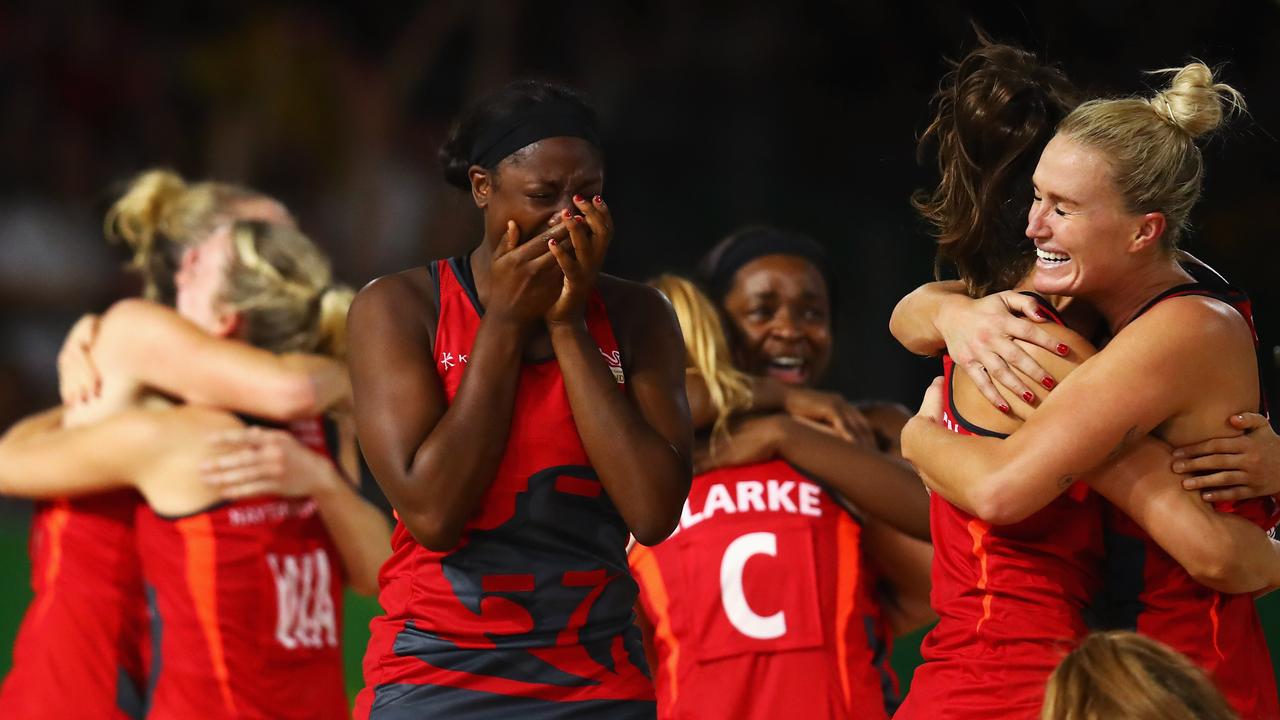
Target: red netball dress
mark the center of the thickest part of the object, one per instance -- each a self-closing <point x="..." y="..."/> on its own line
<point x="761" y="604"/>
<point x="1011" y="599"/>
<point x="80" y="649"/>
<point x="531" y="615"/>
<point x="1148" y="591"/>
<point x="247" y="599"/>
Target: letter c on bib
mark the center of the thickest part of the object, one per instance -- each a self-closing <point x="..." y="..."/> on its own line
<point x="731" y="592"/>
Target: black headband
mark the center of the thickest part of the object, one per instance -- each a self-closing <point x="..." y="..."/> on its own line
<point x="723" y="263"/>
<point x="526" y="127"/>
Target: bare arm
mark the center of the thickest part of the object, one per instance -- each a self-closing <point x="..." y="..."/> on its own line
<point x="1219" y="550"/>
<point x="160" y="349"/>
<point x="768" y="395"/>
<point x="435" y="460"/>
<point x="40" y="459"/>
<point x="259" y="461"/>
<point x="979" y="335"/>
<point x="1004" y="481"/>
<point x="904" y="563"/>
<point x="880" y="485"/>
<point x="914" y="322"/>
<point x="640" y="443"/>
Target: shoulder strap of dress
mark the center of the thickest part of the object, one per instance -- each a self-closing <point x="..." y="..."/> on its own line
<point x="1046" y="306"/>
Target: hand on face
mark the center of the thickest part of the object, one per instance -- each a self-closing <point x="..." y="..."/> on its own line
<point x="524" y="279"/>
<point x="581" y="258"/>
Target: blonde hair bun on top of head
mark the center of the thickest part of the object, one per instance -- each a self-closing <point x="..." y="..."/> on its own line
<point x="1193" y="102"/>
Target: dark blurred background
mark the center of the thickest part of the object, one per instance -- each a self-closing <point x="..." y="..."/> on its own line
<point x="715" y="114"/>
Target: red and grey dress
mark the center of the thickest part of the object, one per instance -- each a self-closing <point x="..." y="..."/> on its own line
<point x="531" y="615"/>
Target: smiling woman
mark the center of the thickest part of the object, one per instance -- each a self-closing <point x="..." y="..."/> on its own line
<point x="1113" y="190"/>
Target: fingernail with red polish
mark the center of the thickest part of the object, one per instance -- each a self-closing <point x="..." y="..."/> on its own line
<point x="577" y="198"/>
<point x="1048" y="383"/>
<point x="567" y="214"/>
<point x="598" y="200"/>
<point x="1063" y="349"/>
<point x="1004" y="409"/>
<point x="577" y="218"/>
<point x="1028" y="397"/>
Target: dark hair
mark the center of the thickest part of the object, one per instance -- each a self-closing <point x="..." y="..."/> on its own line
<point x="718" y="268"/>
<point x="494" y="108"/>
<point x="996" y="110"/>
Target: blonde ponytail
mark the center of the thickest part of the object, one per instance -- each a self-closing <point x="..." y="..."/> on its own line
<point x="335" y="301"/>
<point x="138" y="219"/>
<point x="282" y="285"/>
<point x="707" y="350"/>
<point x="159" y="215"/>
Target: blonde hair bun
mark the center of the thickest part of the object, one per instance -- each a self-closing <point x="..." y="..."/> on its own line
<point x="1193" y="102"/>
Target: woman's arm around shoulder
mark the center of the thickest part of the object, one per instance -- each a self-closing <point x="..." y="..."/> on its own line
<point x="973" y="472"/>
<point x="158" y="348"/>
<point x="1219" y="550"/>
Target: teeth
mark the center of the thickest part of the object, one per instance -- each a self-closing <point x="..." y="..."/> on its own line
<point x="787" y="361"/>
<point x="1051" y="256"/>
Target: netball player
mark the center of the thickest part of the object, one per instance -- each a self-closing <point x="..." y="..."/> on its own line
<point x="1106" y="236"/>
<point x="246" y="599"/>
<point x="524" y="414"/>
<point x="764" y="601"/>
<point x="82" y="644"/>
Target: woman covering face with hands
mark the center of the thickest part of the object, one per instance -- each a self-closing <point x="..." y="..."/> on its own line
<point x="524" y="414"/>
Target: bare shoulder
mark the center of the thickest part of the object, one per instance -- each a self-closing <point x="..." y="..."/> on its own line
<point x="402" y="300"/>
<point x="413" y="286"/>
<point x="133" y="317"/>
<point x="642" y="319"/>
<point x="1185" y="330"/>
<point x="631" y="296"/>
<point x="167" y="427"/>
<point x="632" y="304"/>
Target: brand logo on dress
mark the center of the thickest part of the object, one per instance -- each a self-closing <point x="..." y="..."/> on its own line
<point x="449" y="360"/>
<point x="305" y="615"/>
<point x="614" y="359"/>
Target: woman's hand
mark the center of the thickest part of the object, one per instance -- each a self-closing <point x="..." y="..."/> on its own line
<point x="257" y="461"/>
<point x="1233" y="468"/>
<point x="980" y="338"/>
<point x="78" y="377"/>
<point x="752" y="441"/>
<point x="931" y="405"/>
<point x="931" y="409"/>
<point x="828" y="410"/>
<point x="524" y="280"/>
<point x="589" y="235"/>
